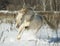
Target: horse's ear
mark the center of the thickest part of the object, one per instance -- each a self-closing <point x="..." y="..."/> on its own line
<point x="24" y="10"/>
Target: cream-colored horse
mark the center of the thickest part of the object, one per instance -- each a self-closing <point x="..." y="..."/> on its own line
<point x="26" y="19"/>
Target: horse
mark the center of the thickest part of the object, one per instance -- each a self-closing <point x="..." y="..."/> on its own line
<point x="27" y="19"/>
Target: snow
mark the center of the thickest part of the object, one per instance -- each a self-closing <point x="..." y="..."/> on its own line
<point x="44" y="37"/>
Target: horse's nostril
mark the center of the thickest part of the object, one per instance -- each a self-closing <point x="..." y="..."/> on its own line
<point x="17" y="26"/>
<point x="26" y="27"/>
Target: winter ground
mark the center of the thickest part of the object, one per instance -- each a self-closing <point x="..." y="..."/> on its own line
<point x="44" y="37"/>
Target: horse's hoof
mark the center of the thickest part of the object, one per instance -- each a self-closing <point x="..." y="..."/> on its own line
<point x="18" y="37"/>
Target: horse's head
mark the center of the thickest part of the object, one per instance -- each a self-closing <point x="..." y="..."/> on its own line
<point x="19" y="17"/>
<point x="25" y="15"/>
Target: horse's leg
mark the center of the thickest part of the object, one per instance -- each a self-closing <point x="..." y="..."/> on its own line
<point x="20" y="30"/>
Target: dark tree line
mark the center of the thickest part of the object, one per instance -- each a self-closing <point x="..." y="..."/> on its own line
<point x="41" y="5"/>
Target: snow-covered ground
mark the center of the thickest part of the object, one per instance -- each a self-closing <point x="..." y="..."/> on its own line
<point x="44" y="37"/>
